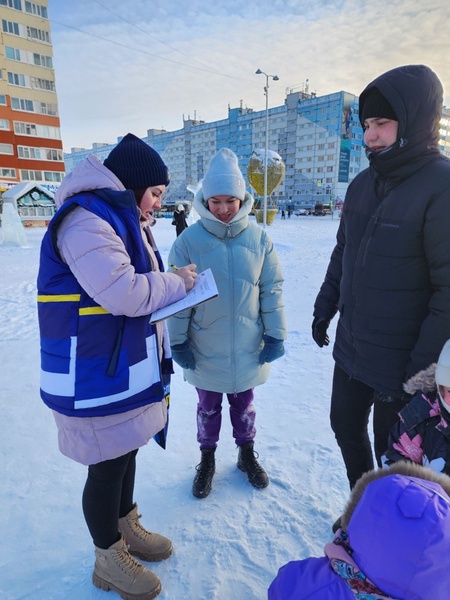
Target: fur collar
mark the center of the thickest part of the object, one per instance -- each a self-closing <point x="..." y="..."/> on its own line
<point x="423" y="381"/>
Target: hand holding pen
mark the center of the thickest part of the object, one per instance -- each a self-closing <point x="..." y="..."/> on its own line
<point x="187" y="273"/>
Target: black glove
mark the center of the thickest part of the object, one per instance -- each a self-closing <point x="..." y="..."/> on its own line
<point x="272" y="350"/>
<point x="319" y="331"/>
<point x="182" y="355"/>
<point x="382" y="397"/>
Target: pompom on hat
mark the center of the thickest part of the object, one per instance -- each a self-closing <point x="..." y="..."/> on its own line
<point x="136" y="164"/>
<point x="376" y="106"/>
<point x="223" y="177"/>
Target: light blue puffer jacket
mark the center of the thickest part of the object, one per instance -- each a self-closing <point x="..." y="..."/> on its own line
<point x="226" y="333"/>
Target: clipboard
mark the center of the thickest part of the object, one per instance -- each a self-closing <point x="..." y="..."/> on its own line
<point x="205" y="289"/>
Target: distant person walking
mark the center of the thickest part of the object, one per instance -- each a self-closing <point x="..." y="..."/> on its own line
<point x="389" y="272"/>
<point x="179" y="219"/>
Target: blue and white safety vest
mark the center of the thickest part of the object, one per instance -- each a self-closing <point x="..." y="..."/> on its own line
<point x="92" y="362"/>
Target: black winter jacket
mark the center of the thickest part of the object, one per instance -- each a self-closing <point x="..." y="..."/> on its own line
<point x="389" y="273"/>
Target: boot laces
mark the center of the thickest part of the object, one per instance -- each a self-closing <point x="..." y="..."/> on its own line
<point x="249" y="458"/>
<point x="126" y="562"/>
<point x="205" y="467"/>
<point x="138" y="529"/>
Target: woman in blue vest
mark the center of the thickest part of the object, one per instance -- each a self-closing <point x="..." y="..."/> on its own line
<point x="105" y="370"/>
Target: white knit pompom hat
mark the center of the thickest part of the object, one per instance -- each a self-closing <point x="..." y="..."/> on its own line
<point x="443" y="366"/>
<point x="443" y="372"/>
<point x="223" y="176"/>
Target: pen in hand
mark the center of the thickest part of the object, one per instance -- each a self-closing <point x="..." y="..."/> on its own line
<point x="186" y="273"/>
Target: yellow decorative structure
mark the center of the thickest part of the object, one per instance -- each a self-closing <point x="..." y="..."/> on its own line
<point x="255" y="176"/>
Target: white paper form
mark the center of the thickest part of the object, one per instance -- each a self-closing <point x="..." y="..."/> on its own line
<point x="205" y="288"/>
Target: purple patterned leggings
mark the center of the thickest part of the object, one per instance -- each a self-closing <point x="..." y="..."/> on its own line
<point x="209" y="417"/>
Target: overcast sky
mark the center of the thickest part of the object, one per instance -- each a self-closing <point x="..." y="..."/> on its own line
<point x="144" y="64"/>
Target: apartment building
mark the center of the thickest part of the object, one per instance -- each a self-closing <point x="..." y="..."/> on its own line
<point x="319" y="139"/>
<point x="30" y="139"/>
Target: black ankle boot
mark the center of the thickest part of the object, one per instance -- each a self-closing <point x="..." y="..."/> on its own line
<point x="247" y="462"/>
<point x="205" y="472"/>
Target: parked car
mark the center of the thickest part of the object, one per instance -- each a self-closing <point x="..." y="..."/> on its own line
<point x="319" y="211"/>
<point x="303" y="212"/>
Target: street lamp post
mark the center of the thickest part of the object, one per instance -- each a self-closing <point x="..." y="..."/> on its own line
<point x="266" y="152"/>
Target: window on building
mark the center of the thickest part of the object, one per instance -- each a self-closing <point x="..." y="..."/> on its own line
<point x="4" y="124"/>
<point x="43" y="131"/>
<point x="27" y="175"/>
<point x="17" y="4"/>
<point x="53" y="176"/>
<point x="12" y="53"/>
<point x="36" y="9"/>
<point x="8" y="173"/>
<point x="25" y="128"/>
<point x="29" y="152"/>
<point x="42" y="61"/>
<point x="10" y="27"/>
<point x="42" y="84"/>
<point x="38" y="34"/>
<point x="2" y="99"/>
<point x="6" y="149"/>
<point x="22" y="104"/>
<point x="16" y="79"/>
<point x="46" y="108"/>
<point x="53" y="154"/>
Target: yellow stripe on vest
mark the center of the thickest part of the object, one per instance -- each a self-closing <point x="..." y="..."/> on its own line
<point x="59" y="298"/>
<point x="93" y="310"/>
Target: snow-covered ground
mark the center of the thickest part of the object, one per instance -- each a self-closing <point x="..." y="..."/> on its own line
<point x="228" y="546"/>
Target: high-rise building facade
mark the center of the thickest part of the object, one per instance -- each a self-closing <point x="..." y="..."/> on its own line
<point x="30" y="138"/>
<point x="319" y="139"/>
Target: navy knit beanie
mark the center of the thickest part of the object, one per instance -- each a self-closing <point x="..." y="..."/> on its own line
<point x="136" y="164"/>
<point x="376" y="107"/>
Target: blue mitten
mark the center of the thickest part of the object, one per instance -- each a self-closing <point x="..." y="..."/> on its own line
<point x="182" y="355"/>
<point x="272" y="350"/>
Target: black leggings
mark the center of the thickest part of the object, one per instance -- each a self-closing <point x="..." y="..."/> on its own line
<point x="107" y="496"/>
<point x="351" y="403"/>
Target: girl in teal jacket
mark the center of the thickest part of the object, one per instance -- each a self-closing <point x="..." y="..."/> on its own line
<point x="225" y="344"/>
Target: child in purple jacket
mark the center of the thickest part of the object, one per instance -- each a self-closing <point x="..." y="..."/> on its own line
<point x="394" y="539"/>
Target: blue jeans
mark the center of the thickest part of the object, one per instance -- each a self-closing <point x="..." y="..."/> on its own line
<point x="209" y="417"/>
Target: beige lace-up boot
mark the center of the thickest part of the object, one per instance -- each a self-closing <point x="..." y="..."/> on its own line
<point x="147" y="546"/>
<point x="115" y="569"/>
